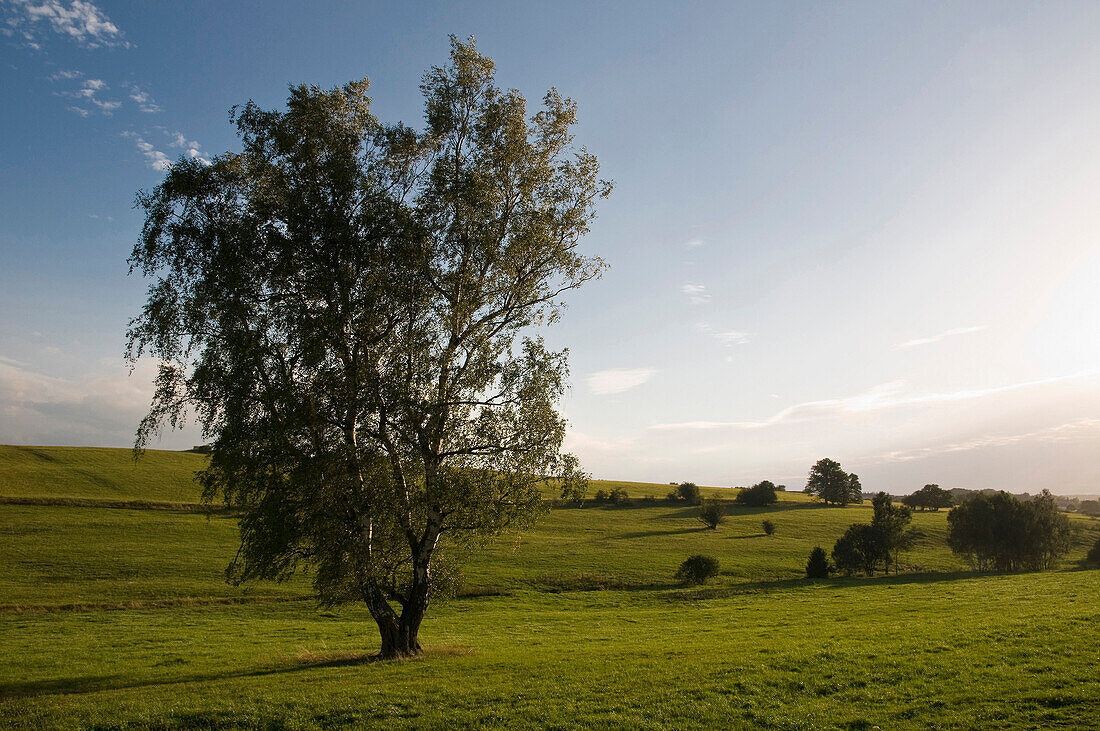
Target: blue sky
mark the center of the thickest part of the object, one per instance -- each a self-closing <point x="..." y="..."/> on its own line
<point x="866" y="231"/>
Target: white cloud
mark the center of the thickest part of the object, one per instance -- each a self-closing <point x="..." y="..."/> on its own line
<point x="693" y="243"/>
<point x="79" y="21"/>
<point x="579" y="442"/>
<point x="727" y="338"/>
<point x="697" y="293"/>
<point x="86" y="93"/>
<point x="617" y="380"/>
<point x="936" y="338"/>
<point x="881" y="397"/>
<point x="1077" y="429"/>
<point x="143" y="99"/>
<point x="156" y="159"/>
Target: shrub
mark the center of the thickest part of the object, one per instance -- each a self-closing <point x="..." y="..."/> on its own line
<point x="759" y="495"/>
<point x="689" y="493"/>
<point x="601" y="496"/>
<point x="712" y="513"/>
<point x="1000" y="533"/>
<point x="697" y="569"/>
<point x="648" y="499"/>
<point x="769" y="527"/>
<point x="818" y="566"/>
<point x="1093" y="559"/>
<point x="618" y="496"/>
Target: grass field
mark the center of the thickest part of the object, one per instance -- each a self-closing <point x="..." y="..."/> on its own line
<point x="119" y="618"/>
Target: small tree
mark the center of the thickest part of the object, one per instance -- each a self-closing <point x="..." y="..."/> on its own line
<point x="1093" y="557"/>
<point x="889" y="524"/>
<point x="855" y="489"/>
<point x="689" y="493"/>
<point x="618" y="496"/>
<point x="697" y="569"/>
<point x="818" y="566"/>
<point x="712" y="513"/>
<point x="769" y="527"/>
<point x="858" y="550"/>
<point x="759" y="495"/>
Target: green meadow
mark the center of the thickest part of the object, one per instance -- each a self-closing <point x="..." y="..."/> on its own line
<point x="114" y="614"/>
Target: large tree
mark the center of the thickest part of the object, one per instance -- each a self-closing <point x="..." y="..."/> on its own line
<point x="832" y="484"/>
<point x="342" y="305"/>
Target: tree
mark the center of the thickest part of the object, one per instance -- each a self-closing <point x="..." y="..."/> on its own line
<point x="689" y="493"/>
<point x="889" y="522"/>
<point x="818" y="566"/>
<point x="832" y="484"/>
<point x="759" y="495"/>
<point x="697" y="569"/>
<point x="876" y="546"/>
<point x="341" y="304"/>
<point x="930" y="497"/>
<point x="1001" y="533"/>
<point x="768" y="526"/>
<point x="858" y="549"/>
<point x="712" y="513"/>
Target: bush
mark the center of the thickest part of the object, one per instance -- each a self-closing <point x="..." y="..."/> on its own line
<point x="648" y="499"/>
<point x="712" y="513"/>
<point x="757" y="496"/>
<point x="689" y="493"/>
<point x="618" y="496"/>
<point x="769" y="527"/>
<point x="818" y="566"/>
<point x="601" y="496"/>
<point x="697" y="569"/>
<point x="1093" y="559"/>
<point x="1000" y="533"/>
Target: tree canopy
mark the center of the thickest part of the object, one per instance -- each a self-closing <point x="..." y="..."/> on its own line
<point x="832" y="484"/>
<point x="929" y="497"/>
<point x="342" y="305"/>
<point x="1001" y="533"/>
<point x="759" y="495"/>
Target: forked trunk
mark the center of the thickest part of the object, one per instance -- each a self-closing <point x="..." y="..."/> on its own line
<point x="399" y="637"/>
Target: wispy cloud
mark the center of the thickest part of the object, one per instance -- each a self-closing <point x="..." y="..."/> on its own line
<point x="191" y="148"/>
<point x="693" y="243"/>
<point x="156" y="159"/>
<point x="697" y="293"/>
<point x="884" y="396"/>
<point x="78" y="21"/>
<point x="617" y="380"/>
<point x="1077" y="429"/>
<point x="86" y="93"/>
<point x="727" y="338"/>
<point x="936" y="338"/>
<point x="143" y="99"/>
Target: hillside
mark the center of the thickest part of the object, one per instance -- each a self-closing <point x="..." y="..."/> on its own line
<point x="120" y="617"/>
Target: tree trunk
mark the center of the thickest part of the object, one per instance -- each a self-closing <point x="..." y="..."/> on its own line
<point x="399" y="637"/>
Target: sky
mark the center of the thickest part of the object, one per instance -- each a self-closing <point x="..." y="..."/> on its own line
<point x="865" y="231"/>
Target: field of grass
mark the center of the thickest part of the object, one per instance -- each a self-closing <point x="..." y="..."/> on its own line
<point x="120" y="618"/>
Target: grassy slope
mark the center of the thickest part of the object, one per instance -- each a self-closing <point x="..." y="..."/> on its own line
<point x="760" y="647"/>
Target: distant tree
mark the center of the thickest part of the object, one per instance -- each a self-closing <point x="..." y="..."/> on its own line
<point x="818" y="566"/>
<point x="697" y="569"/>
<point x="1089" y="507"/>
<point x="929" y="497"/>
<point x="759" y="495"/>
<point x="855" y="489"/>
<point x="602" y="496"/>
<point x="1093" y="557"/>
<point x="1001" y="533"/>
<point x="873" y="547"/>
<point x="832" y="484"/>
<point x="768" y="526"/>
<point x="712" y="513"/>
<point x="889" y="523"/>
<point x="858" y="550"/>
<point x="780" y="488"/>
<point x="689" y="493"/>
<point x="618" y="496"/>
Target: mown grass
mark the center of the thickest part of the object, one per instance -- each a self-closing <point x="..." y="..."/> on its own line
<point x="573" y="623"/>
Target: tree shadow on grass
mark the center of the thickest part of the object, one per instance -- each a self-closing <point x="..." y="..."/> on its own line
<point x="654" y="533"/>
<point x="303" y="661"/>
